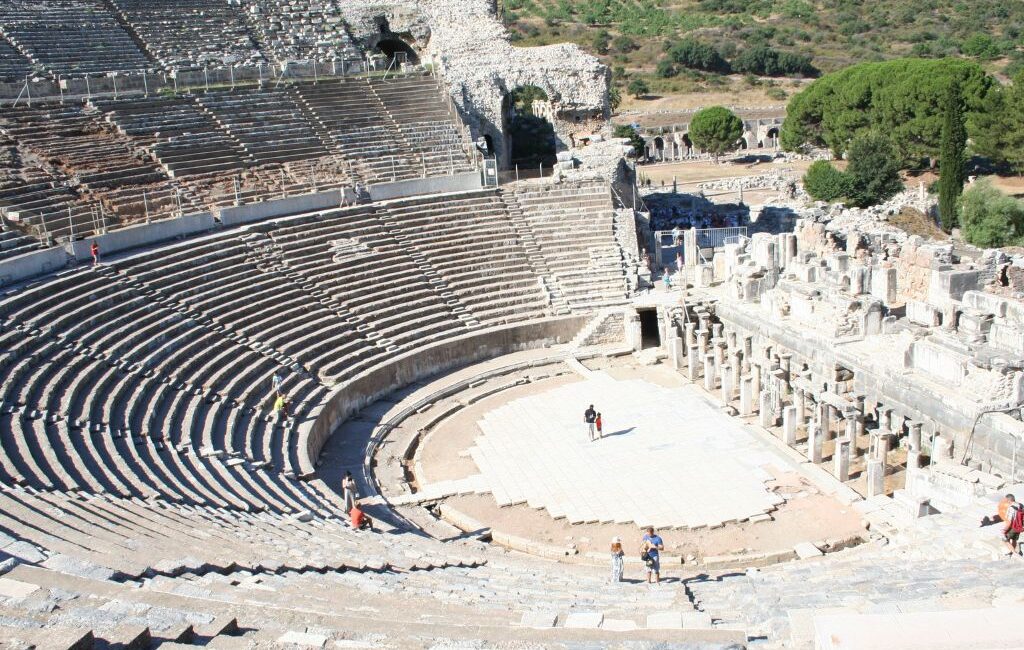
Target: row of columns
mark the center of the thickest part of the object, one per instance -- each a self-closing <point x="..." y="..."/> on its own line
<point x="768" y="386"/>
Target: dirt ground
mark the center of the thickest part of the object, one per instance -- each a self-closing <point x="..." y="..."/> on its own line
<point x="806" y="515"/>
<point x="739" y="95"/>
<point x="701" y="171"/>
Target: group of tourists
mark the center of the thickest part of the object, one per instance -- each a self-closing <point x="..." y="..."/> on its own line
<point x="651" y="546"/>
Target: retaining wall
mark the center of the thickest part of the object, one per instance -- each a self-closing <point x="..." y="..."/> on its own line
<point x="22" y="267"/>
<point x="385" y="378"/>
<point x="434" y="185"/>
<point x="142" y="235"/>
<point x="280" y="207"/>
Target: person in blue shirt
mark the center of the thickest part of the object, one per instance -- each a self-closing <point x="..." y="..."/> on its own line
<point x="652" y="544"/>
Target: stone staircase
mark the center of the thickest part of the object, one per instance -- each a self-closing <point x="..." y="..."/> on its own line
<point x="533" y="253"/>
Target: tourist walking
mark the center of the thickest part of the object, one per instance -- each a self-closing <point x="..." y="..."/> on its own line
<point x="281" y="408"/>
<point x="95" y="250"/>
<point x="1014" y="524"/>
<point x="617" y="559"/>
<point x="651" y="546"/>
<point x="278" y="379"/>
<point x="590" y="419"/>
<point x="348" y="490"/>
<point x="597" y="425"/>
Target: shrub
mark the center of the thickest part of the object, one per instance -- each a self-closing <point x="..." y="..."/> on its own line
<point x="826" y="183"/>
<point x="988" y="217"/>
<point x="638" y="88"/>
<point x="769" y="62"/>
<point x="666" y="68"/>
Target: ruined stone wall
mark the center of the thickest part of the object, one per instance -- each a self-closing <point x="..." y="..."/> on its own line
<point x="471" y="48"/>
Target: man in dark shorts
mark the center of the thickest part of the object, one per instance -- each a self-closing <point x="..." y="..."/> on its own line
<point x="590" y="418"/>
<point x="652" y="544"/>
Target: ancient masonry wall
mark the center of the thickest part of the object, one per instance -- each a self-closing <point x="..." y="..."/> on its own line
<point x="471" y="48"/>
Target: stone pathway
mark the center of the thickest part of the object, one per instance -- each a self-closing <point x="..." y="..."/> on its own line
<point x="669" y="458"/>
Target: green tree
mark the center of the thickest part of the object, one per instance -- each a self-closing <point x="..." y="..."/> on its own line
<point x="990" y="218"/>
<point x="627" y="131"/>
<point x="826" y="183"/>
<point x="998" y="130"/>
<point x="902" y="98"/>
<point x="614" y="97"/>
<point x="638" y="88"/>
<point x="874" y="170"/>
<point x="716" y="130"/>
<point x="691" y="53"/>
<point x="601" y="41"/>
<point x="769" y="62"/>
<point x="952" y="159"/>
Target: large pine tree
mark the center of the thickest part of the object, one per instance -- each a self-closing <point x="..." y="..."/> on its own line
<point x="952" y="159"/>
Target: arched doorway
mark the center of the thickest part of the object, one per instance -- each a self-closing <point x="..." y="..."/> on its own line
<point x="687" y="144"/>
<point x="772" y="137"/>
<point x="529" y="136"/>
<point x="397" y="50"/>
<point x="659" y="148"/>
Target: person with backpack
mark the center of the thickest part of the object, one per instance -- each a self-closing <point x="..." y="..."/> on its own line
<point x="1014" y="524"/>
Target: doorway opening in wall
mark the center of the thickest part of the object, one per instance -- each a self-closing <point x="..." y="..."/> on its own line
<point x="529" y="134"/>
<point x="397" y="50"/>
<point x="650" y="336"/>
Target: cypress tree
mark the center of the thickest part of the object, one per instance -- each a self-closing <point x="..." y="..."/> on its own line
<point x="952" y="158"/>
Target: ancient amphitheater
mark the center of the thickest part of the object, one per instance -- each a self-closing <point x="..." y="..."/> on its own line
<point x="817" y="415"/>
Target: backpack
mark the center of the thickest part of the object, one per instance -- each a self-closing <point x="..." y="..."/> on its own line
<point x="1017" y="518"/>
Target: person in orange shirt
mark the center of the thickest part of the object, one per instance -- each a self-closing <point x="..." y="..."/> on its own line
<point x="359" y="519"/>
<point x="1004" y="505"/>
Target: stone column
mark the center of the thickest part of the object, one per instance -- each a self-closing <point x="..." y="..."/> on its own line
<point x="765" y="410"/>
<point x="851" y="435"/>
<point x="702" y="342"/>
<point x="676" y="352"/>
<point x="841" y="459"/>
<point x="942" y="448"/>
<point x="736" y="369"/>
<point x="785" y="361"/>
<point x="726" y="374"/>
<point x="824" y="423"/>
<point x="693" y="363"/>
<point x="755" y="374"/>
<point x="719" y="350"/>
<point x="814" y="441"/>
<point x="746" y="396"/>
<point x="876" y="478"/>
<point x="748" y="351"/>
<point x="709" y="372"/>
<point x="885" y="419"/>
<point x="789" y="421"/>
<point x="691" y="334"/>
<point x="730" y="339"/>
<point x="799" y="404"/>
<point x="914" y="447"/>
<point x="716" y="330"/>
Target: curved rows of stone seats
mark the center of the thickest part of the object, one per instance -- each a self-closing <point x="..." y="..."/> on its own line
<point x="290" y="30"/>
<point x="13" y="64"/>
<point x="267" y="124"/>
<point x="105" y="165"/>
<point x="191" y="33"/>
<point x="379" y="146"/>
<point x="572" y="230"/>
<point x="473" y="249"/>
<point x="70" y="37"/>
<point x="40" y="201"/>
<point x="184" y="138"/>
<point x="13" y="243"/>
<point x="424" y="119"/>
<point x="151" y="375"/>
<point x="121" y="539"/>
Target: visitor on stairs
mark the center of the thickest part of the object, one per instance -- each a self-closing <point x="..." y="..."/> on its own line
<point x="95" y="250"/>
<point x="278" y="379"/>
<point x="358" y="519"/>
<point x="651" y="546"/>
<point x="348" y="491"/>
<point x="617" y="555"/>
<point x="1014" y="524"/>
<point x="590" y="419"/>
<point x="667" y="279"/>
<point x="281" y="408"/>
